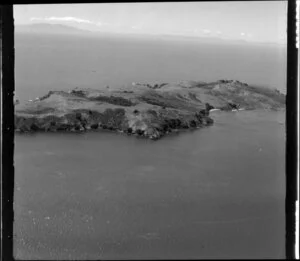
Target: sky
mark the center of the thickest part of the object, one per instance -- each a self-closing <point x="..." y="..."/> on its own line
<point x="258" y="21"/>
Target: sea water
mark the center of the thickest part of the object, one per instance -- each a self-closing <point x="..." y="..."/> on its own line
<point x="216" y="192"/>
<point x="45" y="62"/>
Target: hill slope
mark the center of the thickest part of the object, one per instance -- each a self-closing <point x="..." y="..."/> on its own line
<point x="142" y="109"/>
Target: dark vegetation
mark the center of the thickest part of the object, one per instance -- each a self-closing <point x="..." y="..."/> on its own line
<point x="79" y="120"/>
<point x="38" y="110"/>
<point x="113" y="100"/>
<point x="174" y="109"/>
<point x="156" y="102"/>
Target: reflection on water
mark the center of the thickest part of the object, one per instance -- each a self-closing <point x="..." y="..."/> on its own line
<point x="216" y="192"/>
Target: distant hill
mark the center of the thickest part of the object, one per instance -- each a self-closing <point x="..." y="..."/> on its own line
<point x="44" y="28"/>
<point x="49" y="28"/>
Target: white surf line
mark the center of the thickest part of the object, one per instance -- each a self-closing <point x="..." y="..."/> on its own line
<point x="242" y="109"/>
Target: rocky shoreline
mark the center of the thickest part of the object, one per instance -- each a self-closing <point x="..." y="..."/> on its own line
<point x="145" y="110"/>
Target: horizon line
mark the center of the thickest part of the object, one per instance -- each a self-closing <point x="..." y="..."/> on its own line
<point x="170" y="34"/>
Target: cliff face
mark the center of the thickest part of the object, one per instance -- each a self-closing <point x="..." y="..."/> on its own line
<point x="141" y="109"/>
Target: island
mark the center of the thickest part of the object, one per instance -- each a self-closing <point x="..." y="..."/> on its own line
<point x="144" y="110"/>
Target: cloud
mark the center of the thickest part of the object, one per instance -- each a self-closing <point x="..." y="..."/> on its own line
<point x="206" y="31"/>
<point x="65" y="19"/>
<point x="137" y="27"/>
<point x="69" y="18"/>
<point x="218" y="32"/>
<point x="36" y="19"/>
<point x="243" y="34"/>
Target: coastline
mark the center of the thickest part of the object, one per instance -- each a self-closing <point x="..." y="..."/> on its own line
<point x="143" y="110"/>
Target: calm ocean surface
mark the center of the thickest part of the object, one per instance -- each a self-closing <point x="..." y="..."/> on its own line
<point x="217" y="192"/>
<point x="46" y="63"/>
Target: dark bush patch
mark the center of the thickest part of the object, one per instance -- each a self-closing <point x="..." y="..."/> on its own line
<point x="203" y="113"/>
<point x="78" y="93"/>
<point x="156" y="86"/>
<point x="94" y="126"/>
<point x="113" y="118"/>
<point x="113" y="100"/>
<point x="46" y="96"/>
<point x="233" y="106"/>
<point x="95" y="116"/>
<point x="50" y="118"/>
<point x="110" y="118"/>
<point x="63" y="127"/>
<point x="199" y="117"/>
<point x="209" y="121"/>
<point x="34" y="127"/>
<point x="78" y="116"/>
<point x="184" y="125"/>
<point x="208" y="107"/>
<point x="165" y="127"/>
<point x="152" y="112"/>
<point x="172" y="124"/>
<point x="156" y="102"/>
<point x="193" y="124"/>
<point x="38" y="111"/>
<point x="139" y="132"/>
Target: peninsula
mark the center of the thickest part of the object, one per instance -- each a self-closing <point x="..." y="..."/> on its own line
<point x="144" y="110"/>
